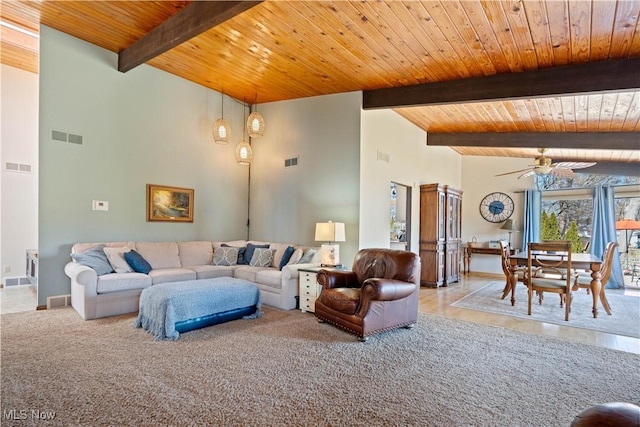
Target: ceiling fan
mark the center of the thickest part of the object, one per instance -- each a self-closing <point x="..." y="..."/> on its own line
<point x="543" y="165"/>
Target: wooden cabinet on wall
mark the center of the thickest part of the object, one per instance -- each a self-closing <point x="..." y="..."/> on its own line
<point x="440" y="234"/>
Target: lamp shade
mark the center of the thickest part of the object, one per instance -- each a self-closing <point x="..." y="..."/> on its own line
<point x="509" y="225"/>
<point x="330" y="232"/>
<point x="221" y="131"/>
<point x="244" y="153"/>
<point x="255" y="125"/>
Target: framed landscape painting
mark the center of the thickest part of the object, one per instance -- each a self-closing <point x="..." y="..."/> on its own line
<point x="173" y="204"/>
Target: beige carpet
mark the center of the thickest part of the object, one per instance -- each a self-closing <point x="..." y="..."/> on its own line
<point x="287" y="369"/>
<point x="624" y="320"/>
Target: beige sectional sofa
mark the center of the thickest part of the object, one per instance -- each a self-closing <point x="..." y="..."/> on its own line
<point x="94" y="296"/>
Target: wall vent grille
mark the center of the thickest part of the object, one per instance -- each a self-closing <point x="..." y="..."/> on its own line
<point x="17" y="167"/>
<point x="291" y="162"/>
<point x="72" y="138"/>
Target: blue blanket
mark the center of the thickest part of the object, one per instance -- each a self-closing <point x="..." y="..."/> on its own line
<point x="161" y="306"/>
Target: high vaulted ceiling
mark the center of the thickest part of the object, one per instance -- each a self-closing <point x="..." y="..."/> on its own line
<point x="509" y="76"/>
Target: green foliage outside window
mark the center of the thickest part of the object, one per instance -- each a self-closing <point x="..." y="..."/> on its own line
<point x="573" y="236"/>
<point x="549" y="229"/>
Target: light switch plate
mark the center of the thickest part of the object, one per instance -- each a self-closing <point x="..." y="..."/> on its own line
<point x="99" y="205"/>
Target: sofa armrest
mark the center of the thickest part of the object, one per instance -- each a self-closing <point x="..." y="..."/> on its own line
<point x="386" y="289"/>
<point x="82" y="275"/>
<point x="337" y="279"/>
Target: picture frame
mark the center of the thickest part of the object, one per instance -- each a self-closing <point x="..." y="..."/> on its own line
<point x="169" y="204"/>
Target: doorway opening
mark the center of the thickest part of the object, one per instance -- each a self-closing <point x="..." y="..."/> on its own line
<point x="400" y="216"/>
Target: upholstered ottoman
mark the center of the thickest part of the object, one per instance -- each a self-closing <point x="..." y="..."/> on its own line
<point x="168" y="309"/>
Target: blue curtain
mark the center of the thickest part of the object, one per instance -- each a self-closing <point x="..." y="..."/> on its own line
<point x="604" y="231"/>
<point x="532" y="212"/>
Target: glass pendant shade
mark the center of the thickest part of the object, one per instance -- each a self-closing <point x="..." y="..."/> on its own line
<point x="244" y="153"/>
<point x="255" y="125"/>
<point x="221" y="131"/>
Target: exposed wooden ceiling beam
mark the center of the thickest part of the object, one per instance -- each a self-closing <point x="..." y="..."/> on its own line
<point x="586" y="140"/>
<point x="196" y="18"/>
<point x="615" y="75"/>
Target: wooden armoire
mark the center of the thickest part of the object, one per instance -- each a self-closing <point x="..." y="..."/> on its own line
<point x="440" y="234"/>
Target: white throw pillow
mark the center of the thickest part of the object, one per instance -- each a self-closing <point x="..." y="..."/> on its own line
<point x="262" y="257"/>
<point x="295" y="256"/>
<point x="116" y="259"/>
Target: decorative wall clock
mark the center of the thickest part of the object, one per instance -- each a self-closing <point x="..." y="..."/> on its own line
<point x="496" y="207"/>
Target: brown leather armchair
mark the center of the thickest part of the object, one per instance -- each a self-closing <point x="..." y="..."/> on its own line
<point x="381" y="293"/>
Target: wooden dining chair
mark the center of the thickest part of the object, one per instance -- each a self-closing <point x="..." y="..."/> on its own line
<point x="545" y="264"/>
<point x="583" y="279"/>
<point x="505" y="252"/>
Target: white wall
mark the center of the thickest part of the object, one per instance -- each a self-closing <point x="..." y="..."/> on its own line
<point x="19" y="191"/>
<point x="411" y="163"/>
<point x="478" y="179"/>
<point x="286" y="203"/>
<point x="143" y="126"/>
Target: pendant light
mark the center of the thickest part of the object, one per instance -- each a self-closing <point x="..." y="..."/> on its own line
<point x="244" y="153"/>
<point x="255" y="124"/>
<point x="222" y="128"/>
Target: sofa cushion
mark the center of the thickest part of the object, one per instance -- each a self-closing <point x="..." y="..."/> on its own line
<point x="278" y="252"/>
<point x="262" y="257"/>
<point x="160" y="254"/>
<point x="251" y="247"/>
<point x="164" y="275"/>
<point x="248" y="272"/>
<point x="94" y="258"/>
<point x="195" y="253"/>
<point x="286" y="257"/>
<point x="137" y="262"/>
<point x="270" y="277"/>
<point x="211" y="271"/>
<point x="117" y="282"/>
<point x="116" y="259"/>
<point x="225" y="256"/>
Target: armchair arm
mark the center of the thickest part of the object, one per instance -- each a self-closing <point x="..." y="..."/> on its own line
<point x="337" y="279"/>
<point x="386" y="289"/>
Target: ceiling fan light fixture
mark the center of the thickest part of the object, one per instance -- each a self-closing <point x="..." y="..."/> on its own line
<point x="543" y="170"/>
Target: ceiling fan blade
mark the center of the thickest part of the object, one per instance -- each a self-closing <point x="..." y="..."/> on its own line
<point x="526" y="174"/>
<point x="509" y="173"/>
<point x="562" y="172"/>
<point x="573" y="165"/>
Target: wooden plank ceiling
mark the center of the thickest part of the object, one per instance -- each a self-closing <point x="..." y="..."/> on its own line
<point x="279" y="50"/>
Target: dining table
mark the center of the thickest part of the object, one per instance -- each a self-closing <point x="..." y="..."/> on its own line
<point x="578" y="261"/>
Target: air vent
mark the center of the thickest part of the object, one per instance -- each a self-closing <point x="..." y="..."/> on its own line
<point x="17" y="167"/>
<point x="383" y="157"/>
<point x="58" y="135"/>
<point x="75" y="139"/>
<point x="291" y="162"/>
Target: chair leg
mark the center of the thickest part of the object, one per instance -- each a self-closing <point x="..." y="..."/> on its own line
<point x="605" y="303"/>
<point x="567" y="306"/>
<point x="529" y="301"/>
<point x="561" y="299"/>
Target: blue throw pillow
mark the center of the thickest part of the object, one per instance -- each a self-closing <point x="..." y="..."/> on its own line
<point x="286" y="256"/>
<point x="241" y="252"/>
<point x="248" y="254"/>
<point x="94" y="258"/>
<point x="139" y="264"/>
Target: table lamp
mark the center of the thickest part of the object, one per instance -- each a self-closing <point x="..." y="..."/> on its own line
<point x="510" y="226"/>
<point x="330" y="232"/>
